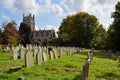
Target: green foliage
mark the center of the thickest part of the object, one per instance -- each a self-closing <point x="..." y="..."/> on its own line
<point x="114" y="30"/>
<point x="12" y="40"/>
<point x="80" y="30"/>
<point x="99" y="37"/>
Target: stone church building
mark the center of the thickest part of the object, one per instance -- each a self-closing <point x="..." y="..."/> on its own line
<point x="41" y="35"/>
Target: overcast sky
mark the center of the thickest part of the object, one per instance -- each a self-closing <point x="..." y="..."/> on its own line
<point x="50" y="13"/>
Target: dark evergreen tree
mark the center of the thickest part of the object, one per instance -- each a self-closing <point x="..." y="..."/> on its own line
<point x="114" y="29"/>
<point x="25" y="33"/>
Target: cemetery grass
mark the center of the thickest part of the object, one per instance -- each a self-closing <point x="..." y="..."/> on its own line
<point x="65" y="68"/>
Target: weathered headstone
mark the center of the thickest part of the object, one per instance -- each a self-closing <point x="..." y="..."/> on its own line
<point x="87" y="67"/>
<point x="52" y="55"/>
<point x="44" y="56"/>
<point x="55" y="53"/>
<point x="22" y="53"/>
<point x="35" y="51"/>
<point x="39" y="58"/>
<point x="60" y="52"/>
<point x="28" y="59"/>
<point x="86" y="70"/>
<point x="14" y="54"/>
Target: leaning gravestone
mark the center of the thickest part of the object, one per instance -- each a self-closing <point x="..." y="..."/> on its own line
<point x="28" y="59"/>
<point x="44" y="56"/>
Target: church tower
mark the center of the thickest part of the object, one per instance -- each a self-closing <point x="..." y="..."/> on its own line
<point x="29" y="20"/>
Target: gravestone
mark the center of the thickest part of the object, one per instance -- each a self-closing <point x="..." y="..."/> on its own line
<point x="35" y="51"/>
<point x="14" y="54"/>
<point x="22" y="53"/>
<point x="55" y="53"/>
<point x="60" y="52"/>
<point x="70" y="52"/>
<point x="67" y="52"/>
<point x="28" y="59"/>
<point x="52" y="56"/>
<point x="88" y="55"/>
<point x="44" y="56"/>
<point x="39" y="58"/>
<point x="86" y="67"/>
<point x="84" y="72"/>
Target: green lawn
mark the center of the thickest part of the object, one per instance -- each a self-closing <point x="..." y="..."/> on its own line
<point x="65" y="68"/>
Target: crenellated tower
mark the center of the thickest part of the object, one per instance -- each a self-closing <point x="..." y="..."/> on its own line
<point x="29" y="20"/>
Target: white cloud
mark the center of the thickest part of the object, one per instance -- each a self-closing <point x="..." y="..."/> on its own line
<point x="32" y="6"/>
<point x="6" y="18"/>
<point x="36" y="28"/>
<point x="49" y="27"/>
<point x="22" y="6"/>
<point x="100" y="8"/>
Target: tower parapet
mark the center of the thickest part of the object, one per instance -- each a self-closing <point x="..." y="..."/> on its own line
<point x="29" y="20"/>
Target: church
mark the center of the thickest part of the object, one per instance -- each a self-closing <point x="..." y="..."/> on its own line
<point x="41" y="35"/>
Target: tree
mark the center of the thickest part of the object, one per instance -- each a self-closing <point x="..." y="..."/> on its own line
<point x="79" y="29"/>
<point x="12" y="40"/>
<point x="114" y="29"/>
<point x="25" y="33"/>
<point x="99" y="37"/>
<point x="10" y="31"/>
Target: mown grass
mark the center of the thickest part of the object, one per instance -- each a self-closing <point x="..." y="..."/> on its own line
<point x="65" y="68"/>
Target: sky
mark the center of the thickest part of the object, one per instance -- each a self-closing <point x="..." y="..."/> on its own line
<point x="50" y="13"/>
